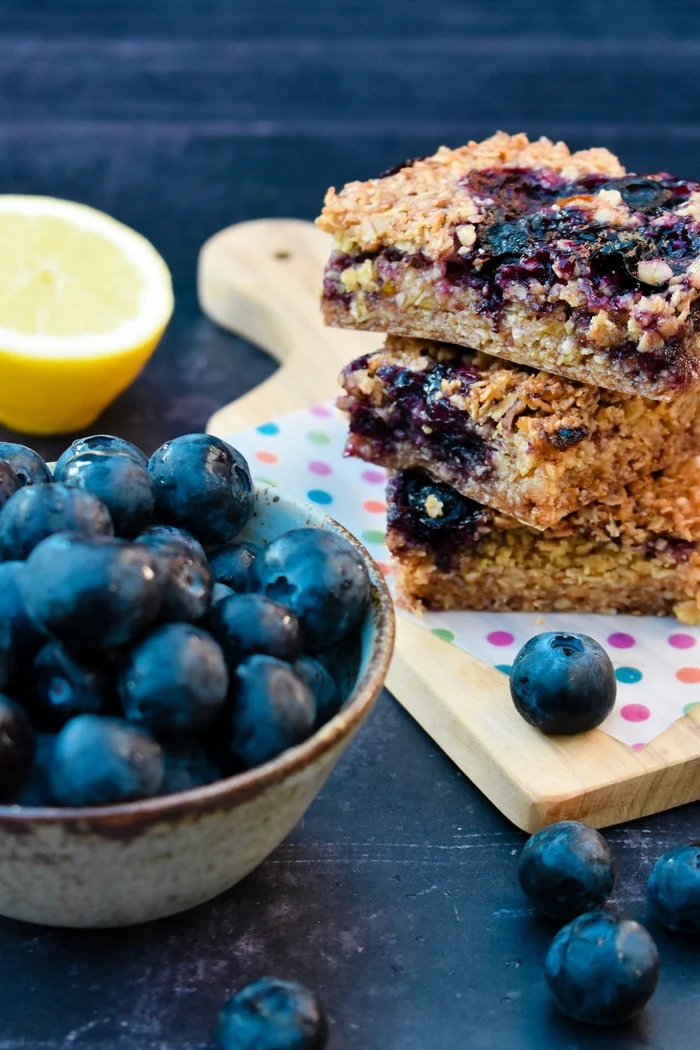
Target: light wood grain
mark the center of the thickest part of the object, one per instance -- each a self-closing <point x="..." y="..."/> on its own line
<point x="260" y="280"/>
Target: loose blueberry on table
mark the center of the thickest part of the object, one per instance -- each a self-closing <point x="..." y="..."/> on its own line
<point x="271" y="1014"/>
<point x="567" y="869"/>
<point x="133" y="663"/>
<point x="673" y="891"/>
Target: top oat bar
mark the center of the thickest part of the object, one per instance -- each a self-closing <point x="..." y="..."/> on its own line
<point x="556" y="260"/>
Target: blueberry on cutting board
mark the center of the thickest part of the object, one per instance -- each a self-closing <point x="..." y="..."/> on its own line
<point x="673" y="891"/>
<point x="273" y="1015"/>
<point x="563" y="683"/>
<point x="566" y="869"/>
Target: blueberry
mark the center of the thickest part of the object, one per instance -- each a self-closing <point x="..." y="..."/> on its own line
<point x="319" y="576"/>
<point x="187" y="578"/>
<point x="26" y="638"/>
<point x="602" y="970"/>
<point x="641" y="194"/>
<point x="156" y="535"/>
<point x="673" y="892"/>
<point x="273" y="710"/>
<point x="175" y="682"/>
<point x="63" y="687"/>
<point x="321" y="685"/>
<point x="17" y="747"/>
<point x="220" y="593"/>
<point x="7" y="653"/>
<point x="28" y="466"/>
<point x="9" y="482"/>
<point x="203" y="485"/>
<point x="120" y="481"/>
<point x="273" y="1015"/>
<point x="38" y="511"/>
<point x="36" y="789"/>
<point x="99" y="761"/>
<point x="231" y="564"/>
<point x="91" y="592"/>
<point x="187" y="766"/>
<point x="102" y="444"/>
<point x="563" y="683"/>
<point x="567" y="869"/>
<point x="250" y="623"/>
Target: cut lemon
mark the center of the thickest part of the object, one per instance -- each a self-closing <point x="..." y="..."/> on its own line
<point x="84" y="301"/>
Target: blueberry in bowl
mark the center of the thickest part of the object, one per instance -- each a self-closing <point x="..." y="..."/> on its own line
<point x="28" y="466"/>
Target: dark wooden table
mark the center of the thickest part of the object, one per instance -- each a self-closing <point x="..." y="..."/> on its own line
<point x="396" y="897"/>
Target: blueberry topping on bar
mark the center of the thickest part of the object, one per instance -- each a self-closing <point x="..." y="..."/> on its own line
<point x="400" y="167"/>
<point x="567" y="437"/>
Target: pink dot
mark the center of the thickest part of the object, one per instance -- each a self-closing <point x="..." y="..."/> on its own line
<point x="681" y="641"/>
<point x="638" y="747"/>
<point x="620" y="640"/>
<point x="321" y="411"/>
<point x="373" y="477"/>
<point x="635" y="712"/>
<point x="500" y="638"/>
<point x="317" y="467"/>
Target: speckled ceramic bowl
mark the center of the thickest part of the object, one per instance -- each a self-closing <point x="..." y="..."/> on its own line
<point x="119" y="865"/>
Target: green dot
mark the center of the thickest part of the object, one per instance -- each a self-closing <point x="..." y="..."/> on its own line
<point x="691" y="707"/>
<point x="266" y="481"/>
<point x="443" y="633"/>
<point x="318" y="437"/>
<point x="373" y="536"/>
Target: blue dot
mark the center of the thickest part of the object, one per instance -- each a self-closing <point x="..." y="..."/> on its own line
<point x="319" y="496"/>
<point x="628" y="675"/>
<point x="268" y="428"/>
<point x="505" y="668"/>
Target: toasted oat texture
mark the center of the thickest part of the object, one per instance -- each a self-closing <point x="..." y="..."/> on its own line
<point x="524" y="250"/>
<point x="641" y="555"/>
<point x="530" y="444"/>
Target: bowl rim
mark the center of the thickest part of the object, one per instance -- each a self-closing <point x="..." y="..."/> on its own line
<point x="242" y="787"/>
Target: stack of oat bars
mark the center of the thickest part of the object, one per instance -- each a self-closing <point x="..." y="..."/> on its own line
<point x="537" y="397"/>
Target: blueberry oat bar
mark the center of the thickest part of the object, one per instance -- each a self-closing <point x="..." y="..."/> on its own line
<point x="531" y="444"/>
<point x="556" y="260"/>
<point x="640" y="555"/>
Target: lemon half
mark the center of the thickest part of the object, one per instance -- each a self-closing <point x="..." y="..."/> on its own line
<point x="84" y="301"/>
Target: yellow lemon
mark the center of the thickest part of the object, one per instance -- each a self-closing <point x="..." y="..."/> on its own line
<point x="84" y="301"/>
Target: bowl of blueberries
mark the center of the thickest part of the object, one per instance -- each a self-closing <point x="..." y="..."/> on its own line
<point x="184" y="657"/>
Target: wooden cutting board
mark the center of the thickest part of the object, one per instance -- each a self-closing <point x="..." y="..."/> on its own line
<point x="261" y="280"/>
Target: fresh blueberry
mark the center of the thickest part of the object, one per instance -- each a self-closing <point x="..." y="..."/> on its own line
<point x="26" y="638"/>
<point x="28" y="466"/>
<point x="220" y="593"/>
<point x="187" y="578"/>
<point x="91" y="592"/>
<point x="17" y="747"/>
<point x="7" y="653"/>
<point x="38" y="511"/>
<point x="319" y="576"/>
<point x="602" y="970"/>
<point x="187" y="766"/>
<point x="273" y="710"/>
<point x="9" y="482"/>
<point x="175" y="682"/>
<point x="273" y="1015"/>
<point x="250" y="623"/>
<point x="567" y="869"/>
<point x="63" y="686"/>
<point x="563" y="683"/>
<point x="203" y="485"/>
<point x="101" y="444"/>
<point x="36" y="789"/>
<point x="231" y="564"/>
<point x="673" y="892"/>
<point x="156" y="535"/>
<point x="321" y="685"/>
<point x="120" y="481"/>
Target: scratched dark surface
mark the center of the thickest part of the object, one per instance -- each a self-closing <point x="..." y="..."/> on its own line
<point x="396" y="897"/>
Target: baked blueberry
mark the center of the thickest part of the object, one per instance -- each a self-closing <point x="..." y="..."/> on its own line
<point x="273" y="1015"/>
<point x="187" y="766"/>
<point x="563" y="683"/>
<point x="273" y="710"/>
<point x="321" y="684"/>
<point x="231" y="564"/>
<point x="9" y="482"/>
<point x="202" y="485"/>
<point x="250" y="623"/>
<point x="673" y="891"/>
<point x="120" y="481"/>
<point x="566" y="869"/>
<point x="187" y="577"/>
<point x="175" y="682"/>
<point x="602" y="970"/>
<point x="7" y="654"/>
<point x="36" y="787"/>
<point x="156" y="535"/>
<point x="38" y="511"/>
<point x="28" y="466"/>
<point x="101" y="444"/>
<point x="27" y="639"/>
<point x="62" y="686"/>
<point x="17" y="747"/>
<point x="99" y="761"/>
<point x="91" y="592"/>
<point x="319" y="576"/>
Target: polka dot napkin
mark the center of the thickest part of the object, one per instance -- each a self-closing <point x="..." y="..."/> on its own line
<point x="657" y="661"/>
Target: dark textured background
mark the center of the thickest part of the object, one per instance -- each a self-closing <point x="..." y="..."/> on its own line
<point x="396" y="897"/>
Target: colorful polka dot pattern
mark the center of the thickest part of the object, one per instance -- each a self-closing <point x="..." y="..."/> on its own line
<point x="657" y="662"/>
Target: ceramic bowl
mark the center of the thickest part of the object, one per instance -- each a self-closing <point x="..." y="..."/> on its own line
<point x="126" y="864"/>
